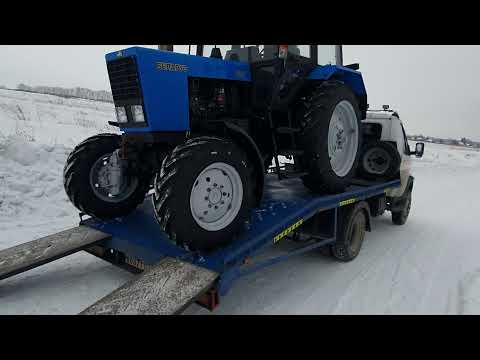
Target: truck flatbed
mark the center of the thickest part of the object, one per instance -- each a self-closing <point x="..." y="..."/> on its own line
<point x="174" y="277"/>
<point x="286" y="205"/>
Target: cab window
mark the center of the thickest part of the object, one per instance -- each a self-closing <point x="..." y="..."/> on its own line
<point x="207" y="49"/>
<point x="326" y="55"/>
<point x="302" y="50"/>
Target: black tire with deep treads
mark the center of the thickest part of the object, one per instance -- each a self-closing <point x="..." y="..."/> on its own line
<point x="173" y="185"/>
<point x="314" y="137"/>
<point x="76" y="179"/>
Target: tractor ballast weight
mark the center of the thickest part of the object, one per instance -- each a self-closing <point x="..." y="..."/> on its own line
<point x="205" y="131"/>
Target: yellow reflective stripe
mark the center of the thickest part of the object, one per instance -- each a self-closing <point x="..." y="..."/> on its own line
<point x="348" y="201"/>
<point x="287" y="231"/>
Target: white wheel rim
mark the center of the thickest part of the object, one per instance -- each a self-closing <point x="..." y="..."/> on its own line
<point x="343" y="136"/>
<point x="376" y="161"/>
<point x="216" y="196"/>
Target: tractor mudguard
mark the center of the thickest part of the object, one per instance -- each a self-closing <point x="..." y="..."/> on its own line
<point x="353" y="79"/>
<point x="244" y="140"/>
<point x="297" y="70"/>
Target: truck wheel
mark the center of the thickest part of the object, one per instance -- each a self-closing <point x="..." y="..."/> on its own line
<point x="331" y="138"/>
<point x="203" y="193"/>
<point x="400" y="217"/>
<point x="86" y="180"/>
<point x="350" y="234"/>
<point x="379" y="159"/>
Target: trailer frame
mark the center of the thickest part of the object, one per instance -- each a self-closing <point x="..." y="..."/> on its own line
<point x="136" y="243"/>
<point x="290" y="221"/>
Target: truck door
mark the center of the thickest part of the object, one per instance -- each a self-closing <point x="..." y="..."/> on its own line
<point x="405" y="166"/>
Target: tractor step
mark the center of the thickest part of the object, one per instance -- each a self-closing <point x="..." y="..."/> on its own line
<point x="287" y="130"/>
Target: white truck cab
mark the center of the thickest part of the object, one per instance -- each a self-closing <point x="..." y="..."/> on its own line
<point x="385" y="126"/>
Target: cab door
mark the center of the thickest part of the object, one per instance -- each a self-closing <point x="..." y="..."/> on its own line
<point x="404" y="149"/>
<point x="324" y="54"/>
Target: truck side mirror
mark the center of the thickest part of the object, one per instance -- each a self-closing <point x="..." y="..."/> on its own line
<point x="419" y="148"/>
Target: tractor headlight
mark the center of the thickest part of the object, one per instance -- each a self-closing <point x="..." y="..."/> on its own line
<point x="137" y="112"/>
<point x="121" y="114"/>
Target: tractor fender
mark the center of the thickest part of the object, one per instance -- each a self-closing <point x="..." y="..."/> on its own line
<point x="352" y="78"/>
<point x="245" y="141"/>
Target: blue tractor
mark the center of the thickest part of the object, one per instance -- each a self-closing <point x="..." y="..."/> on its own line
<point x="204" y="129"/>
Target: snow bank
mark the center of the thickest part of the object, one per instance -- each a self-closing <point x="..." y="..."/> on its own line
<point x="37" y="133"/>
<point x="52" y="120"/>
<point x="31" y="182"/>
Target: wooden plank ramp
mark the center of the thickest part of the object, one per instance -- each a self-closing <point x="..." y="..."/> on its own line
<point x="165" y="289"/>
<point x="34" y="253"/>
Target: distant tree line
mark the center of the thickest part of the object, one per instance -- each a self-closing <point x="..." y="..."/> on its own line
<point x="461" y="142"/>
<point x="77" y="92"/>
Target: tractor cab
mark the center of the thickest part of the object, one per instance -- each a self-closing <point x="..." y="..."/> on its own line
<point x="277" y="72"/>
<point x="321" y="54"/>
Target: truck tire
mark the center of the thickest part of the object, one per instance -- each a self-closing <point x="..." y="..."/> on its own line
<point x="203" y="193"/>
<point x="379" y="159"/>
<point x="79" y="180"/>
<point x="331" y="138"/>
<point x="352" y="224"/>
<point x="400" y="217"/>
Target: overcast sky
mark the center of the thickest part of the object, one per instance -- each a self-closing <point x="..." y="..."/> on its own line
<point x="434" y="88"/>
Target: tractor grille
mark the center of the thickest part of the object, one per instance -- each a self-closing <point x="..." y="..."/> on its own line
<point x="124" y="79"/>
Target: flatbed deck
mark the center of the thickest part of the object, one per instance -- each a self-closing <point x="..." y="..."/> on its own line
<point x="287" y="203"/>
<point x="173" y="277"/>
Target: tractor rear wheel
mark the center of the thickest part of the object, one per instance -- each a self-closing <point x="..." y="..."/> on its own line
<point x="203" y="193"/>
<point x="86" y="179"/>
<point x="331" y="137"/>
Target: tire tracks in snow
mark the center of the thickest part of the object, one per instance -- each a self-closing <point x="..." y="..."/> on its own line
<point x="397" y="249"/>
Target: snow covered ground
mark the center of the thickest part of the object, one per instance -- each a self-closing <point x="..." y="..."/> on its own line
<point x="431" y="265"/>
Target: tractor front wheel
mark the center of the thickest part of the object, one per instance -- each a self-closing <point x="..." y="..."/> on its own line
<point x="94" y="181"/>
<point x="203" y="193"/>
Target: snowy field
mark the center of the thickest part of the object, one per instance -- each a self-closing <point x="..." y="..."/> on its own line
<point x="431" y="265"/>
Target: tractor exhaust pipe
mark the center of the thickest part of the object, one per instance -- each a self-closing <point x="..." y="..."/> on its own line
<point x="338" y="55"/>
<point x="165" y="47"/>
